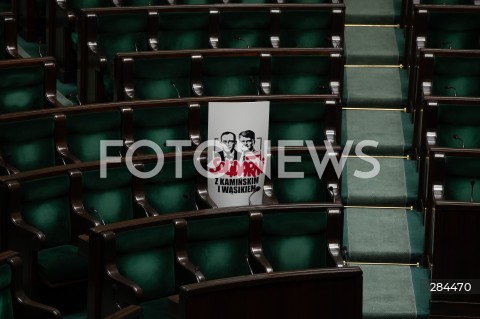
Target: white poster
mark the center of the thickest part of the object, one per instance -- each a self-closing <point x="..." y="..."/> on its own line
<point x="236" y="167"/>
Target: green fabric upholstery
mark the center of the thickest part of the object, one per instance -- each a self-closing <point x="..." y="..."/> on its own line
<point x="84" y="140"/>
<point x="168" y="194"/>
<point x="77" y="5"/>
<point x="46" y="206"/>
<point x="61" y="264"/>
<point x="111" y="197"/>
<point x="6" y="307"/>
<point x="160" y="125"/>
<point x="245" y="29"/>
<point x="300" y="74"/>
<point x="461" y="73"/>
<point x="225" y="76"/>
<point x="154" y="78"/>
<point x="157" y="308"/>
<point x="295" y="240"/>
<point x="310" y="188"/>
<point x="28" y="144"/>
<point x="183" y="30"/>
<point x="453" y="30"/>
<point x="461" y="120"/>
<point x="147" y="258"/>
<point x="459" y="174"/>
<point x="305" y="29"/>
<point x="297" y="121"/>
<point x="21" y="89"/>
<point x="219" y="246"/>
<point x="119" y="33"/>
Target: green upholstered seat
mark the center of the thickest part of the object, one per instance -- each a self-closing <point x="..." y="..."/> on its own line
<point x="183" y="30"/>
<point x="462" y="74"/>
<point x="84" y="140"/>
<point x="28" y="144"/>
<point x="300" y="75"/>
<point x="219" y="246"/>
<point x="460" y="120"/>
<point x="245" y="29"/>
<point x="154" y="78"/>
<point x="6" y="306"/>
<point x="108" y="199"/>
<point x="297" y="121"/>
<point x="169" y="194"/>
<point x="160" y="125"/>
<point x="21" y="89"/>
<point x="310" y="188"/>
<point x="295" y="240"/>
<point x="305" y="29"/>
<point x="147" y="258"/>
<point x="45" y="205"/>
<point x="453" y="30"/>
<point x="459" y="174"/>
<point x="226" y="76"/>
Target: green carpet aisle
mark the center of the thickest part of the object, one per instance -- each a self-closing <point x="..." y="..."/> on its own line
<point x="382" y="231"/>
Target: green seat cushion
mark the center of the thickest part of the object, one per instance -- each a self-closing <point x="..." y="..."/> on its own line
<point x="110" y="197"/>
<point x="183" y="30"/>
<point x="300" y="75"/>
<point x="229" y="76"/>
<point x="309" y="188"/>
<point x="160" y="125"/>
<point x="297" y="121"/>
<point x="28" y="144"/>
<point x="147" y="258"/>
<point x="84" y="140"/>
<point x="461" y="73"/>
<point x="293" y="241"/>
<point x="460" y="172"/>
<point x="305" y="29"/>
<point x="453" y="30"/>
<point x="219" y="246"/>
<point x="245" y="29"/>
<point x="21" y="89"/>
<point x="46" y="206"/>
<point x="75" y="315"/>
<point x="61" y="264"/>
<point x="169" y="194"/>
<point x="154" y="78"/>
<point x="6" y="307"/>
<point x="460" y="120"/>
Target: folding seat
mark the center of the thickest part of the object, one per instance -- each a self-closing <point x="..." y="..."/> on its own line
<point x="153" y="76"/>
<point x="302" y="237"/>
<point x="27" y="84"/>
<point x="15" y="304"/>
<point x="44" y="229"/>
<point x="103" y="34"/>
<point x="8" y="32"/>
<point x="183" y="30"/>
<point x="84" y="140"/>
<point x="244" y="29"/>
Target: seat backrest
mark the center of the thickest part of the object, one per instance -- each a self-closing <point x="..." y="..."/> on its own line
<point x="306" y="29"/>
<point x="168" y="194"/>
<point x="295" y="240"/>
<point x="159" y="125"/>
<point x="183" y="30"/>
<point x="109" y="199"/>
<point x="22" y="88"/>
<point x="28" y="144"/>
<point x="462" y="121"/>
<point x="309" y="188"/>
<point x="456" y="76"/>
<point x="245" y="29"/>
<point x="300" y="74"/>
<point x="230" y="75"/>
<point x="84" y="140"/>
<point x="45" y="205"/>
<point x="219" y="246"/>
<point x="453" y="30"/>
<point x="460" y="174"/>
